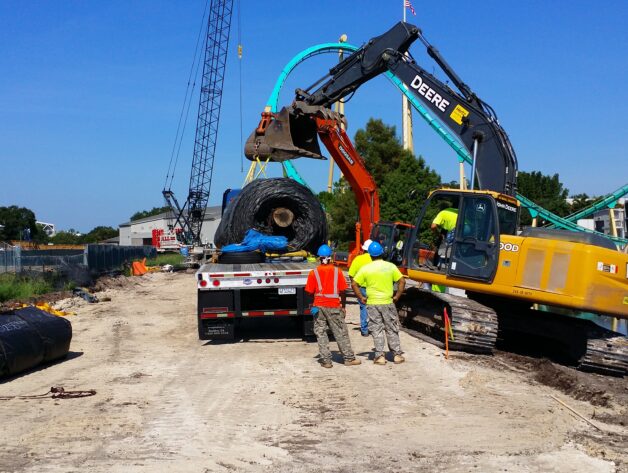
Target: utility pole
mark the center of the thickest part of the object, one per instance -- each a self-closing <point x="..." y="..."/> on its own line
<point x="406" y="112"/>
<point x="339" y="107"/>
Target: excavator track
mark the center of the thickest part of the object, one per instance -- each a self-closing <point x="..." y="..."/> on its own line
<point x="477" y="328"/>
<point x="474" y="325"/>
<point x="587" y="345"/>
<point x="606" y="352"/>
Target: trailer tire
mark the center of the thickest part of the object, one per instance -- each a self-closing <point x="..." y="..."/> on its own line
<point x="242" y="257"/>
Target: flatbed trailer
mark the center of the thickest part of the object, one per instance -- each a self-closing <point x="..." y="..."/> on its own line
<point x="230" y="293"/>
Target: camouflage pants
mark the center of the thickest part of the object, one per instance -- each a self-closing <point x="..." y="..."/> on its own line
<point x="332" y="318"/>
<point x="384" y="318"/>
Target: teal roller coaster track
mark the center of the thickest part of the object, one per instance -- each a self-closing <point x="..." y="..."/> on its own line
<point x="462" y="154"/>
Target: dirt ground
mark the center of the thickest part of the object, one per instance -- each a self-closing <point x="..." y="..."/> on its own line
<point x="168" y="402"/>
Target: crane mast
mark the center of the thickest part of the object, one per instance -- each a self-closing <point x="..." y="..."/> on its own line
<point x="190" y="216"/>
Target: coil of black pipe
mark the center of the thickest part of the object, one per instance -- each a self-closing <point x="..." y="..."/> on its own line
<point x="275" y="206"/>
<point x="29" y="337"/>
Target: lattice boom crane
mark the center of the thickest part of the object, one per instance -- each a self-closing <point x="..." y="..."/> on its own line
<point x="190" y="216"/>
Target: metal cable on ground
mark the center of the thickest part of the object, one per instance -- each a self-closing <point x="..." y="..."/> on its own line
<point x="255" y="206"/>
<point x="55" y="392"/>
<point x="186" y="104"/>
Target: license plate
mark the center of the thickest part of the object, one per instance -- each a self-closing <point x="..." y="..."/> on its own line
<point x="287" y="290"/>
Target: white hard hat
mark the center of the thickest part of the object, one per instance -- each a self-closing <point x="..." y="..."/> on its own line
<point x="366" y="244"/>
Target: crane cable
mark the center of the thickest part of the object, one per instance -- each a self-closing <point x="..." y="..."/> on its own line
<point x="185" y="109"/>
<point x="240" y="78"/>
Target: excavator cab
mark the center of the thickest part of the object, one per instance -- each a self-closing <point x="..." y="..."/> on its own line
<point x="392" y="236"/>
<point x="461" y="229"/>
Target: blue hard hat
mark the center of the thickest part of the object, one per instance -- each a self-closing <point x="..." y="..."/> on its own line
<point x="324" y="251"/>
<point x="375" y="249"/>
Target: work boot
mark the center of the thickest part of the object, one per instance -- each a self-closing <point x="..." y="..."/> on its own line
<point x="353" y="362"/>
<point x="398" y="359"/>
<point x="326" y="364"/>
<point x="380" y="360"/>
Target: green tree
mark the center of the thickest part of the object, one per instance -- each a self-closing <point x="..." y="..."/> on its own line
<point x="379" y="147"/>
<point x="98" y="234"/>
<point x="66" y="237"/>
<point x="403" y="182"/>
<point x="342" y="212"/>
<point x="15" y="220"/>
<point x="149" y="213"/>
<point x="41" y="237"/>
<point x="405" y="189"/>
<point x="582" y="201"/>
<point x="546" y="191"/>
<point x="325" y="198"/>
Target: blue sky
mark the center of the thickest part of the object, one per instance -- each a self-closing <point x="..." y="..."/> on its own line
<point x="90" y="92"/>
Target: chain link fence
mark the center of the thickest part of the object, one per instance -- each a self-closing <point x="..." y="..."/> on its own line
<point x="93" y="259"/>
<point x="9" y="258"/>
<point x="102" y="258"/>
<point x="33" y="261"/>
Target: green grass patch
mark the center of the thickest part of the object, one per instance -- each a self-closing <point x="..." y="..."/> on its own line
<point x="14" y="286"/>
<point x="166" y="258"/>
<point x="69" y="286"/>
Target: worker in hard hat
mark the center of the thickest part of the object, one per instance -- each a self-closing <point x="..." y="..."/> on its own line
<point x="379" y="278"/>
<point x="444" y="225"/>
<point x="397" y="253"/>
<point x="328" y="285"/>
<point x="356" y="264"/>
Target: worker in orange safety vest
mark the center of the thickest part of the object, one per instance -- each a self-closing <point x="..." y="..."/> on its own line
<point x="328" y="285"/>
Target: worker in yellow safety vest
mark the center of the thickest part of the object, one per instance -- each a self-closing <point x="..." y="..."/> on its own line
<point x="356" y="264"/>
<point x="444" y="225"/>
<point x="379" y="278"/>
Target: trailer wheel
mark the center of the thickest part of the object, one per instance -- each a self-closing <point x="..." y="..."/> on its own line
<point x="242" y="257"/>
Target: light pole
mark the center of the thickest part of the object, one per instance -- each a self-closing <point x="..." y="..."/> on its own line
<point x="339" y="107"/>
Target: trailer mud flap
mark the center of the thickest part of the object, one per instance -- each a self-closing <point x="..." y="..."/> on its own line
<point x="216" y="329"/>
<point x="308" y="326"/>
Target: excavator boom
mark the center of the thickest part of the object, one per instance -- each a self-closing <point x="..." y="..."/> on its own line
<point x="469" y="118"/>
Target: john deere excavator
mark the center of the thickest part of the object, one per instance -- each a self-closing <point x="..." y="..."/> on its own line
<point x="515" y="282"/>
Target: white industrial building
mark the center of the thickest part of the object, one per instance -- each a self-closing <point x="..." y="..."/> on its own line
<point x="140" y="232"/>
<point x="600" y="221"/>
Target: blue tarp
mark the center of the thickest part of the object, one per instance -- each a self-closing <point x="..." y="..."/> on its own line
<point x="254" y="240"/>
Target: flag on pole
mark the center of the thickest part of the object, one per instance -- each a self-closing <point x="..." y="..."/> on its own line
<point x="409" y="5"/>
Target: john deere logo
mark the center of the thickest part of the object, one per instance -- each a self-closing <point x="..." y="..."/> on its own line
<point x="625" y="301"/>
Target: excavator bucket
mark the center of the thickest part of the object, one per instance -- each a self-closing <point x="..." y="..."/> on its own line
<point x="289" y="135"/>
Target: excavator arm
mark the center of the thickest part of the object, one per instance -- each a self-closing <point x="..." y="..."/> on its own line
<point x="469" y="118"/>
<point x="328" y="126"/>
<point x="353" y="169"/>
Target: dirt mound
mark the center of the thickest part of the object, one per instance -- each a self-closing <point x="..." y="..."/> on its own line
<point x="599" y="390"/>
<point x="570" y="382"/>
<point x="114" y="282"/>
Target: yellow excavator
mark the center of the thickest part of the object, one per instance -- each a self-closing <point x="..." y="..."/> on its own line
<point x="516" y="282"/>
